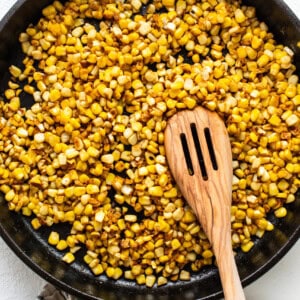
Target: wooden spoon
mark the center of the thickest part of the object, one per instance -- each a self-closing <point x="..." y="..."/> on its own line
<point x="199" y="156"/>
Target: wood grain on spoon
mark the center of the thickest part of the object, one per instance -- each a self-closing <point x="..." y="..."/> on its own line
<point x="204" y="177"/>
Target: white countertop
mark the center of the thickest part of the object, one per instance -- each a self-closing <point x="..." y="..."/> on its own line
<point x="18" y="282"/>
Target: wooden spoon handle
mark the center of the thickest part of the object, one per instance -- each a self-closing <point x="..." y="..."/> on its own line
<point x="229" y="274"/>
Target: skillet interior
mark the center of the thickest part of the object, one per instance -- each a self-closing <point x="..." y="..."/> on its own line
<point x="31" y="246"/>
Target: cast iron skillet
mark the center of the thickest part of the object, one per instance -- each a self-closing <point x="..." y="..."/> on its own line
<point x="31" y="246"/>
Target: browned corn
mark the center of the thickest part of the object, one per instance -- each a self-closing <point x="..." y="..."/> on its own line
<point x="98" y="124"/>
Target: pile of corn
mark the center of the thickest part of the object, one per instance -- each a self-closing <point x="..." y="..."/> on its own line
<point x="105" y="76"/>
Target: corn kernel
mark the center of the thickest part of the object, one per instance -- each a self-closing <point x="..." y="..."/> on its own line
<point x="68" y="258"/>
<point x="280" y="212"/>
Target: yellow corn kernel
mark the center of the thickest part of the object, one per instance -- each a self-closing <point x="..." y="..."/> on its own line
<point x="263" y="60"/>
<point x="172" y="193"/>
<point x="162" y="281"/>
<point x="207" y="254"/>
<point x="15" y="71"/>
<point x="141" y="279"/>
<point x="280" y="212"/>
<point x="256" y="42"/>
<point x="150" y="280"/>
<point x="26" y="211"/>
<point x="188" y="217"/>
<point x="273" y="189"/>
<point x="253" y="137"/>
<point x="69" y="216"/>
<point x="10" y="195"/>
<point x="275" y="68"/>
<point x="92" y="189"/>
<point x="239" y="16"/>
<point x="93" y="152"/>
<point x="53" y="238"/>
<point x="175" y="244"/>
<point x="275" y="120"/>
<point x="68" y="258"/>
<point x="14" y="103"/>
<point x="62" y="245"/>
<point x="168" y="3"/>
<point x="155" y="191"/>
<point x="296" y="100"/>
<point x="247" y="247"/>
<point x="242" y="52"/>
<point x="98" y="269"/>
<point x="60" y="51"/>
<point x="270" y="226"/>
<point x="36" y="224"/>
<point x="79" y="191"/>
<point x="185" y="275"/>
<point x="292" y="120"/>
<point x="54" y="95"/>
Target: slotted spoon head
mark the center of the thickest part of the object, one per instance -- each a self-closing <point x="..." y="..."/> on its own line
<point x="199" y="156"/>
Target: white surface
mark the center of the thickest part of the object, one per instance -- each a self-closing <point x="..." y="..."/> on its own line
<point x="18" y="282"/>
